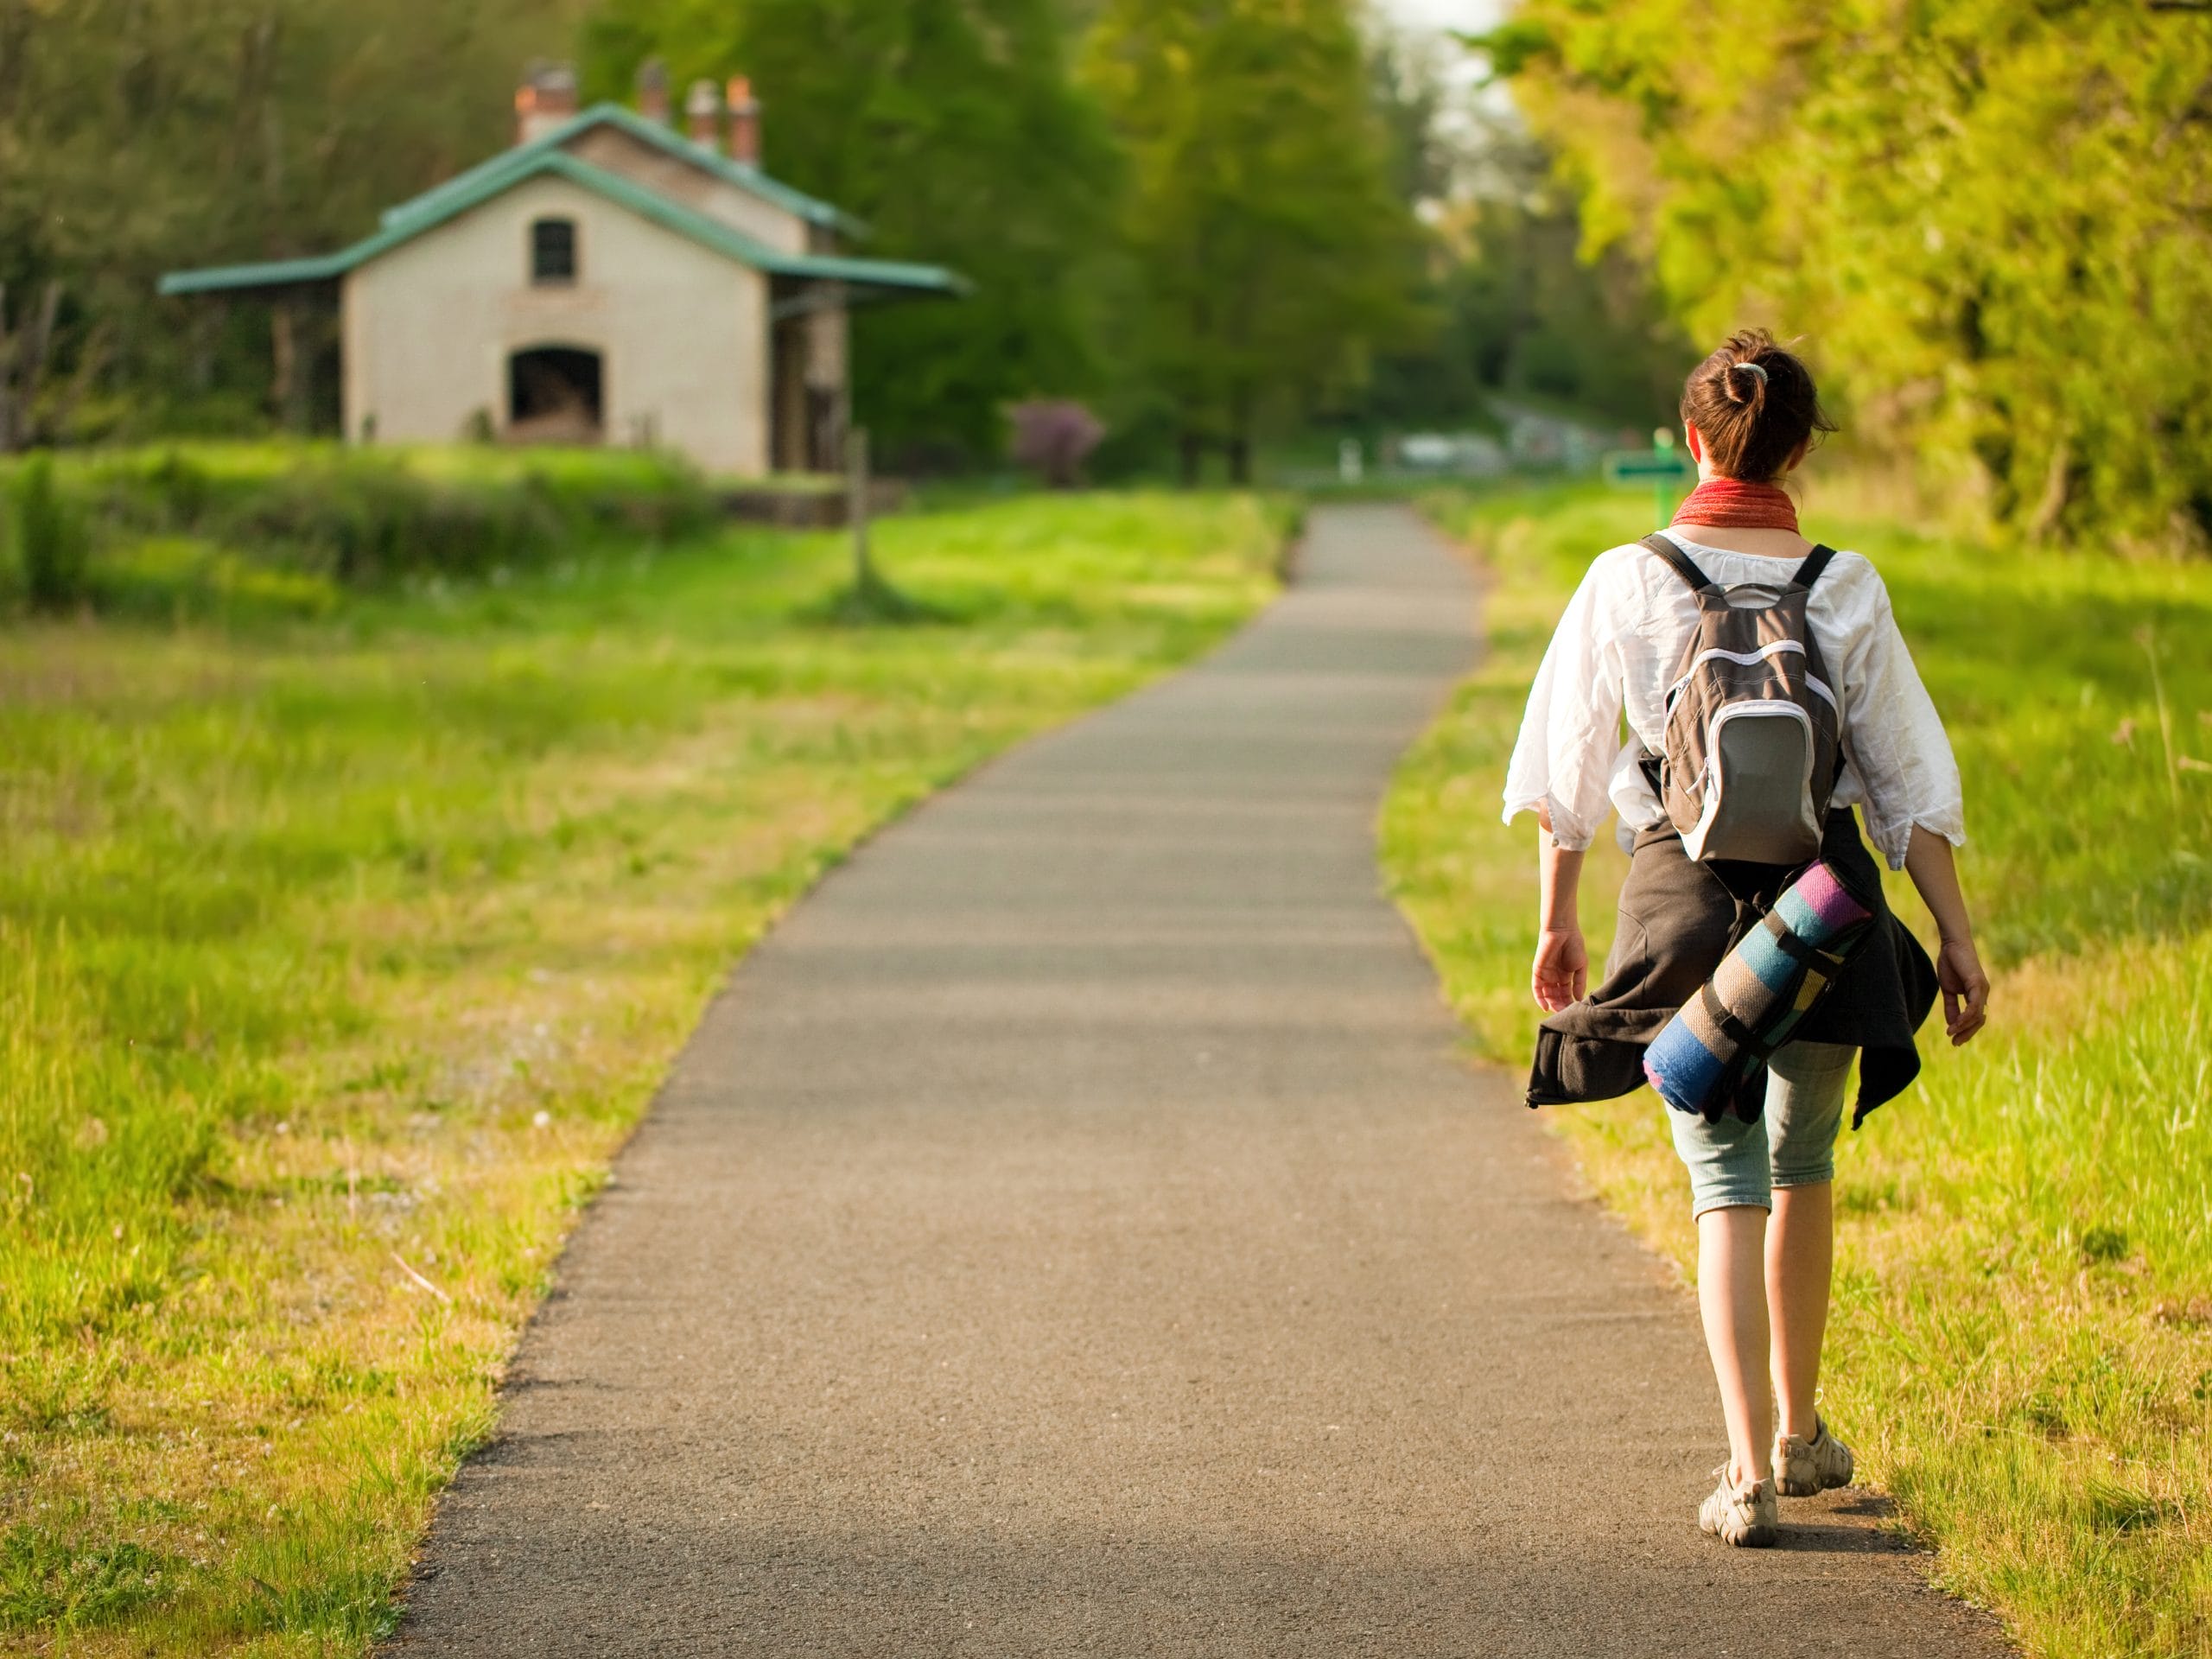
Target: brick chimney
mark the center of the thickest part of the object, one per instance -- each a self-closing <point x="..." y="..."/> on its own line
<point x="703" y="109"/>
<point x="744" y="121"/>
<point x="652" y="89"/>
<point x="546" y="97"/>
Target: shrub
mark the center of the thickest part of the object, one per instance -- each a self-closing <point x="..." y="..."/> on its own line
<point x="368" y="519"/>
<point x="182" y="487"/>
<point x="49" y="538"/>
<point x="371" y="519"/>
<point x="180" y="530"/>
<point x="1053" y="437"/>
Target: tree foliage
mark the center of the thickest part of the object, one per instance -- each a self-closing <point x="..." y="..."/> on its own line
<point x="1269" y="253"/>
<point x="953" y="129"/>
<point x="1202" y="218"/>
<point x="1518" y="314"/>
<point x="1993" y="220"/>
<point x="137" y="135"/>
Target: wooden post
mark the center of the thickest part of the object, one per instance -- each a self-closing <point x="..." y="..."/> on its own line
<point x="288" y="376"/>
<point x="856" y="508"/>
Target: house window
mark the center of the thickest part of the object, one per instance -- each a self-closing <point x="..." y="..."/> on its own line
<point x="553" y="252"/>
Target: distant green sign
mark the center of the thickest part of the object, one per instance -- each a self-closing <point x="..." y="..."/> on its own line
<point x="1647" y="466"/>
<point x="1662" y="467"/>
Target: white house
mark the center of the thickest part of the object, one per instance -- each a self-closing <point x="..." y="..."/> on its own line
<point x="606" y="279"/>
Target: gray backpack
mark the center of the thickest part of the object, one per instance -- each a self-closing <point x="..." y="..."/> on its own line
<point x="1753" y="737"/>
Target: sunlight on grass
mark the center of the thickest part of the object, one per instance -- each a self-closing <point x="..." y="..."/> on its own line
<point x="2021" y="1347"/>
<point x="337" y="958"/>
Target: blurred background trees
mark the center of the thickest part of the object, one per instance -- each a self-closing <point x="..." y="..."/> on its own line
<point x="1215" y="224"/>
<point x="1222" y="223"/>
<point x="1268" y="253"/>
<point x="138" y="135"/>
<point x="1520" y="313"/>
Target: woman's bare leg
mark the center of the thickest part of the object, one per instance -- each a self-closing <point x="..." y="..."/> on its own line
<point x="1800" y="1257"/>
<point x="1732" y="1295"/>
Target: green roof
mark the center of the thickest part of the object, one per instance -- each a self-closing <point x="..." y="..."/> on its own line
<point x="531" y="161"/>
<point x="660" y="136"/>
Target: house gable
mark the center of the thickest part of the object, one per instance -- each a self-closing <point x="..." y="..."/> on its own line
<point x="704" y="190"/>
<point x="646" y="136"/>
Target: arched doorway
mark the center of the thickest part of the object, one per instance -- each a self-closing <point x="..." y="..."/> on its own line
<point x="553" y="395"/>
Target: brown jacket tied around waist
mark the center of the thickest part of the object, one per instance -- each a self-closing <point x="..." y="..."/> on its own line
<point x="1678" y="919"/>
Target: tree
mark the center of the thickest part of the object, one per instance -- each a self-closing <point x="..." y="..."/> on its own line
<point x="953" y="129"/>
<point x="1993" y="220"/>
<point x="137" y="135"/>
<point x="1411" y="97"/>
<point x="1269" y="254"/>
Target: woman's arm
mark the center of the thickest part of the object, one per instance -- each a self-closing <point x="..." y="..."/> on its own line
<point x="1561" y="765"/>
<point x="1562" y="973"/>
<point x="1563" y="759"/>
<point x="1958" y="967"/>
<point x="1896" y="740"/>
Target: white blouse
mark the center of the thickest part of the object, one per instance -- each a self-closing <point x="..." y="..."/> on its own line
<point x="1617" y="650"/>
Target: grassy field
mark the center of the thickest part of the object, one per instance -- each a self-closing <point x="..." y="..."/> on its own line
<point x="2022" y="1351"/>
<point x="338" y="955"/>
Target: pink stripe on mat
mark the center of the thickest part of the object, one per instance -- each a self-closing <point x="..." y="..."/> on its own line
<point x="1828" y="898"/>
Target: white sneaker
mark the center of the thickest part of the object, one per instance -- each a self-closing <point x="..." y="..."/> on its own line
<point x="1804" y="1467"/>
<point x="1741" y="1513"/>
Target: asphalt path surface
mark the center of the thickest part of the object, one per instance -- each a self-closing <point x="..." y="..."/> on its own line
<point x="1076" y="1231"/>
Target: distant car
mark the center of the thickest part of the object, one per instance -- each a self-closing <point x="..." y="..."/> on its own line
<point x="1454" y="452"/>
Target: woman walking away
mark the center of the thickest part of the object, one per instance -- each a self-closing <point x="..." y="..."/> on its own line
<point x="1767" y="692"/>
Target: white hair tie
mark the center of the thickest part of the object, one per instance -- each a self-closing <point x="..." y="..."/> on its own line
<point x="1754" y="368"/>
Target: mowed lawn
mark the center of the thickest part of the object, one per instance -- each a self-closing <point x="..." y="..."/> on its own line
<point x="2022" y="1348"/>
<point x="338" y="957"/>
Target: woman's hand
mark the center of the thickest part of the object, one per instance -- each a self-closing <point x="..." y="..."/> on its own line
<point x="1958" y="966"/>
<point x="1562" y="970"/>
<point x="1561" y="973"/>
<point x="1966" y="989"/>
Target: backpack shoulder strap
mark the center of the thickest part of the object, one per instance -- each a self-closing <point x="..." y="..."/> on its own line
<point x="1680" y="562"/>
<point x="1816" y="562"/>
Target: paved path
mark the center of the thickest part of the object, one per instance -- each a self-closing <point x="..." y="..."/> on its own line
<point x="1073" y="1232"/>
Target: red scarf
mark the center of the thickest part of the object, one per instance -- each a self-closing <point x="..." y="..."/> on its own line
<point x="1731" y="503"/>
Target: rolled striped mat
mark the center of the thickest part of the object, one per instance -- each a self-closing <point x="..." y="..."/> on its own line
<point x="1755" y="998"/>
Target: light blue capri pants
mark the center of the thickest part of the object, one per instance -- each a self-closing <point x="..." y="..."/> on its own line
<point x="1734" y="1163"/>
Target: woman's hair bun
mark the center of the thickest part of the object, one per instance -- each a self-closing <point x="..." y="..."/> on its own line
<point x="1743" y="381"/>
<point x="1754" y="404"/>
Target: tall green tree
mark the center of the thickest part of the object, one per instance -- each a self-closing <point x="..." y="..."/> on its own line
<point x="1269" y="254"/>
<point x="139" y="135"/>
<point x="1993" y="222"/>
<point x="953" y="128"/>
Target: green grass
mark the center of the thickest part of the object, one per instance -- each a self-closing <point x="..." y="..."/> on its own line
<point x="338" y="957"/>
<point x="2022" y="1348"/>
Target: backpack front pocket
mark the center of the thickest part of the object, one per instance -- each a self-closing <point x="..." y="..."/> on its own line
<point x="1758" y="787"/>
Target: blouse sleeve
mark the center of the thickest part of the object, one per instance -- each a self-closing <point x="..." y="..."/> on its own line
<point x="1896" y="739"/>
<point x="1570" y="734"/>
